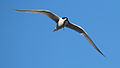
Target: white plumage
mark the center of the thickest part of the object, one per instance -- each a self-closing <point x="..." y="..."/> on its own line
<point x="61" y="22"/>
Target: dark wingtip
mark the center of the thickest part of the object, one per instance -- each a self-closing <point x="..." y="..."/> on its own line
<point x="101" y="53"/>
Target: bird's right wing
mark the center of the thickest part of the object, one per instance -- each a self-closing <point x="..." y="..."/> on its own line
<point x="44" y="12"/>
<point x="80" y="30"/>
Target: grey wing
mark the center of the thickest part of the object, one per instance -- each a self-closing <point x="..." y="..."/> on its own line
<point x="80" y="30"/>
<point x="44" y="12"/>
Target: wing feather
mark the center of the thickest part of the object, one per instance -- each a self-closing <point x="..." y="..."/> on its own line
<point x="44" y="12"/>
<point x="80" y="30"/>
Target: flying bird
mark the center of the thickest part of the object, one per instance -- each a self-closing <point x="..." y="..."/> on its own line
<point x="63" y="22"/>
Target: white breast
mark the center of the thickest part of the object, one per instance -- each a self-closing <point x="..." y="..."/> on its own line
<point x="61" y="22"/>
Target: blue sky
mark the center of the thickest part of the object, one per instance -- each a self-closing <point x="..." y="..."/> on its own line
<point x="27" y="40"/>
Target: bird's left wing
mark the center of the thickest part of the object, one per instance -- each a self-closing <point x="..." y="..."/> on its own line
<point x="44" y="12"/>
<point x="80" y="30"/>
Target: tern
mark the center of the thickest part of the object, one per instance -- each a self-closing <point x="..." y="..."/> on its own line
<point x="63" y="22"/>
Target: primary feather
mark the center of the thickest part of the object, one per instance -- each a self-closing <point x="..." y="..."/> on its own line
<point x="80" y="30"/>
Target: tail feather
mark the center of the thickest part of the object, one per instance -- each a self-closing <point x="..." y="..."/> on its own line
<point x="55" y="29"/>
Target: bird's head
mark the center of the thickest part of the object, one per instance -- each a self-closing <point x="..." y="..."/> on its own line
<point x="65" y="18"/>
<point x="66" y="21"/>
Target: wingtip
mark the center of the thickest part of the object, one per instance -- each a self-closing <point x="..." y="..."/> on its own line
<point x="15" y="9"/>
<point x="11" y="9"/>
<point x="102" y="54"/>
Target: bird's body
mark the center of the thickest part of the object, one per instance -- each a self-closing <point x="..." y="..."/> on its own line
<point x="63" y="22"/>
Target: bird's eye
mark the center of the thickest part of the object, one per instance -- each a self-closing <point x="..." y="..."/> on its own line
<point x="63" y="18"/>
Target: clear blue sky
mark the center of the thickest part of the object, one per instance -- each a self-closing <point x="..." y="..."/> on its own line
<point x="27" y="40"/>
